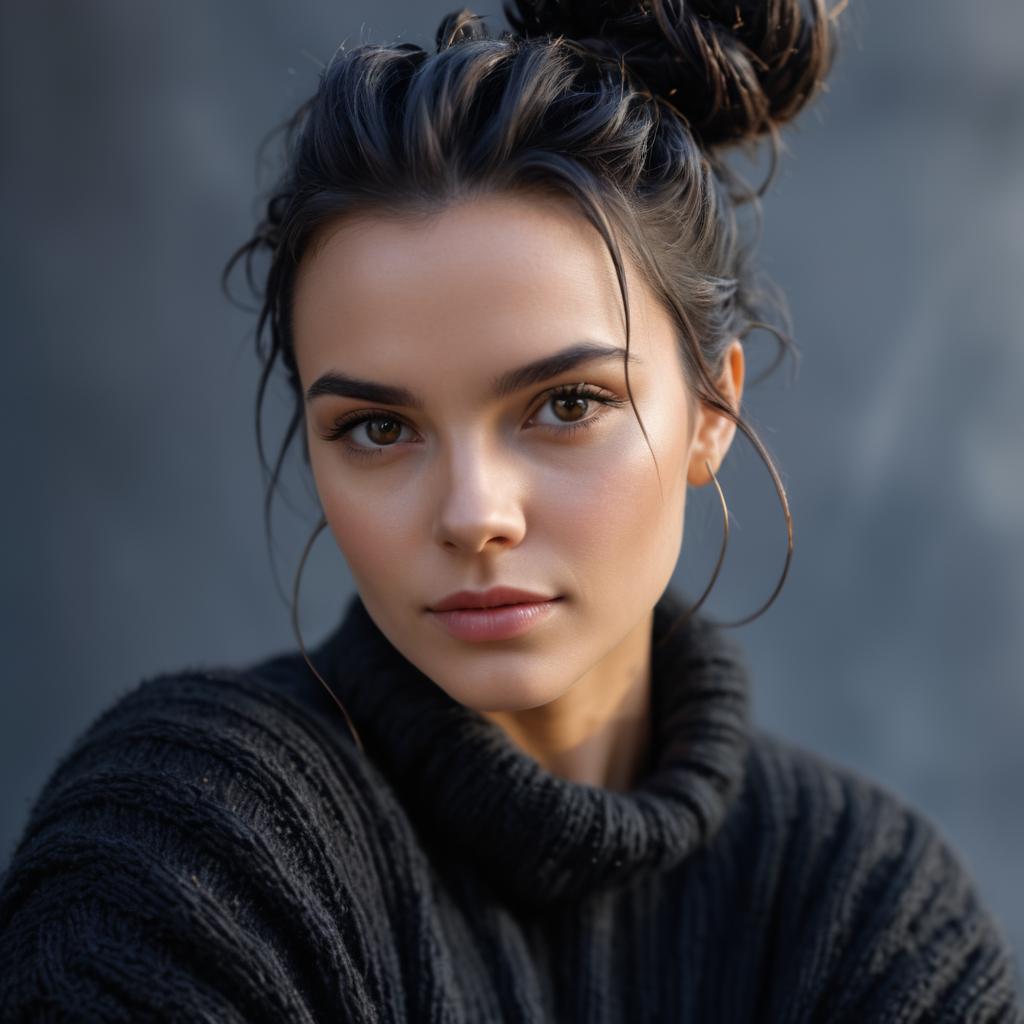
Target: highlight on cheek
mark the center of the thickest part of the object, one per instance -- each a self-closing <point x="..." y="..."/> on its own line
<point x="384" y="429"/>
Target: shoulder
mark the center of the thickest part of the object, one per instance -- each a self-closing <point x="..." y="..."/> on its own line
<point x="868" y="889"/>
<point x="224" y="744"/>
<point x="203" y="731"/>
<point x="790" y="787"/>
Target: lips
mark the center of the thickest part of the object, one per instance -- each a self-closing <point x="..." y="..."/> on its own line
<point x="502" y="613"/>
<point x="493" y="598"/>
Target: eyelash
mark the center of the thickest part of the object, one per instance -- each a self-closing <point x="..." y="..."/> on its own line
<point x="346" y="424"/>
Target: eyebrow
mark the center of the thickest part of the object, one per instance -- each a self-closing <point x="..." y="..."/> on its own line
<point x="343" y="386"/>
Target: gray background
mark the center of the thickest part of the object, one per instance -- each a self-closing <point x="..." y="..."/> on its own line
<point x="132" y="525"/>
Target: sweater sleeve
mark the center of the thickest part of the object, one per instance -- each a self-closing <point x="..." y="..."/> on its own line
<point x="887" y="924"/>
<point x="187" y="861"/>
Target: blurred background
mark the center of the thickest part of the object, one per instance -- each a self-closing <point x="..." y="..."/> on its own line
<point x="133" y="529"/>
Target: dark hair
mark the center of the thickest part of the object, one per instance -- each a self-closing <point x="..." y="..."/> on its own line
<point x="628" y="108"/>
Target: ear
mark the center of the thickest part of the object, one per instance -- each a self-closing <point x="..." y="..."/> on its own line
<point x="714" y="432"/>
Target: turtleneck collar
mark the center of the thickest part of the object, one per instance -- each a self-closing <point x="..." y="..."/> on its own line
<point x="538" y="837"/>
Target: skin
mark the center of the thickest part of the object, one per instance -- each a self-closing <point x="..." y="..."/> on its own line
<point x="473" y="490"/>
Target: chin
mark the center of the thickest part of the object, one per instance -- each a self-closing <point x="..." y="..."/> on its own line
<point x="482" y="694"/>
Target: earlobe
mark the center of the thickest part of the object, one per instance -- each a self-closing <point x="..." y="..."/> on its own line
<point x="700" y="454"/>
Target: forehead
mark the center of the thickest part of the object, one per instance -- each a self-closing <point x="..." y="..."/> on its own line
<point x="519" y="274"/>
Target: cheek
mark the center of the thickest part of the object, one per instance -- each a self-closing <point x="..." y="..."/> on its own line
<point x="613" y="511"/>
<point x="368" y="523"/>
<point x="368" y="535"/>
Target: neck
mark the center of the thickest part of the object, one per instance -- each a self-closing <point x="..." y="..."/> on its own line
<point x="598" y="731"/>
<point x="534" y="836"/>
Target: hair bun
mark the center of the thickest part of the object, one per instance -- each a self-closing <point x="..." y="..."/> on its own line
<point x="734" y="70"/>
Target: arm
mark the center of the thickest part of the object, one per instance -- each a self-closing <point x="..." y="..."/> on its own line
<point x="162" y="874"/>
<point x="900" y="933"/>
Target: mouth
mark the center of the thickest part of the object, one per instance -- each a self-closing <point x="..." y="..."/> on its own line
<point x="495" y="622"/>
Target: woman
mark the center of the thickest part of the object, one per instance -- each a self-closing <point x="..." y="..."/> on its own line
<point x="519" y="780"/>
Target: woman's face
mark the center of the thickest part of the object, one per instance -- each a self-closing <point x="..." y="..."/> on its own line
<point x="454" y="484"/>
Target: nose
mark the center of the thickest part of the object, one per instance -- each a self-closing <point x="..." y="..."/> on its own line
<point x="478" y="504"/>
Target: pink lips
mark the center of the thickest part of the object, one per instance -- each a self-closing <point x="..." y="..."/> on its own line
<point x="496" y="614"/>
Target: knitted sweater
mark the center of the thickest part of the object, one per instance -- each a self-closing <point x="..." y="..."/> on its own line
<point x="217" y="848"/>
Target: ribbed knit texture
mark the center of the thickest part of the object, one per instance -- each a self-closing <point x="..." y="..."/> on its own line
<point x="216" y="848"/>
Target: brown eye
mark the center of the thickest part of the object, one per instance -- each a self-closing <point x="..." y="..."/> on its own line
<point x="390" y="433"/>
<point x="379" y="432"/>
<point x="574" y="406"/>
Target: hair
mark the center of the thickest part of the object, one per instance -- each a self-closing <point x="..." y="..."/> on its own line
<point x="629" y="108"/>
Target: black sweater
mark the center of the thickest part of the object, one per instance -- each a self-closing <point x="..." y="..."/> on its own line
<point x="217" y="848"/>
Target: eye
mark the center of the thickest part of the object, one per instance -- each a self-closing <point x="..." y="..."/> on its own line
<point x="383" y="431"/>
<point x="573" y="407"/>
